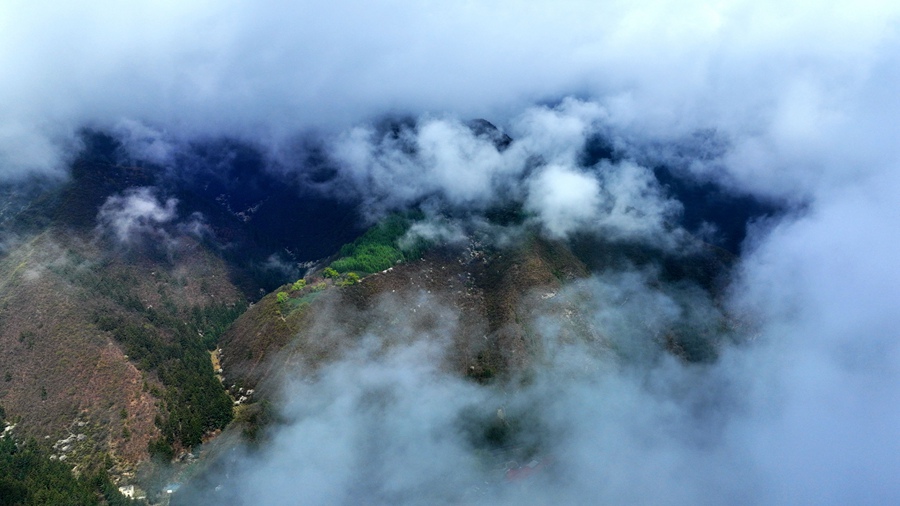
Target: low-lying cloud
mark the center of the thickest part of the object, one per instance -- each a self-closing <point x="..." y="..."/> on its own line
<point x="795" y="406"/>
<point x="596" y="414"/>
<point x="795" y="102"/>
<point x="134" y="214"/>
<point x="445" y="165"/>
<point x="138" y="218"/>
<point x="620" y="201"/>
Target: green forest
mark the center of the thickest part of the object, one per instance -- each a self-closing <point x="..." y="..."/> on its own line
<point x="174" y="344"/>
<point x="28" y="477"/>
<point x="195" y="400"/>
<point x="378" y="248"/>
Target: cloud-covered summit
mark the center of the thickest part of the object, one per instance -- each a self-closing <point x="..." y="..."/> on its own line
<point x="449" y="165"/>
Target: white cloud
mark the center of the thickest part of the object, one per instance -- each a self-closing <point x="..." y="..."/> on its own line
<point x="636" y="207"/>
<point x="436" y="158"/>
<point x="565" y="200"/>
<point x="145" y="143"/>
<point x="446" y="162"/>
<point x="558" y="134"/>
<point x="263" y="70"/>
<point x="135" y="214"/>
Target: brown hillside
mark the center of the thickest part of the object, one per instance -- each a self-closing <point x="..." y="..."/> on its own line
<point x="61" y="375"/>
<point x="469" y="297"/>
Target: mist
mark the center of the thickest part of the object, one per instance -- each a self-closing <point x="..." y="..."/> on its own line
<point x="784" y="79"/>
<point x="789" y="103"/>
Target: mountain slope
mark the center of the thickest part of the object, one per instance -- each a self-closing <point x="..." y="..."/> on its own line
<point x="471" y="296"/>
<point x="65" y="369"/>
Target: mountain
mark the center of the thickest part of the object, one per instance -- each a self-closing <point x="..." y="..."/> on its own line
<point x="489" y="288"/>
<point x="144" y="310"/>
<point x="87" y="336"/>
<point x="481" y="310"/>
<point x="115" y="284"/>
